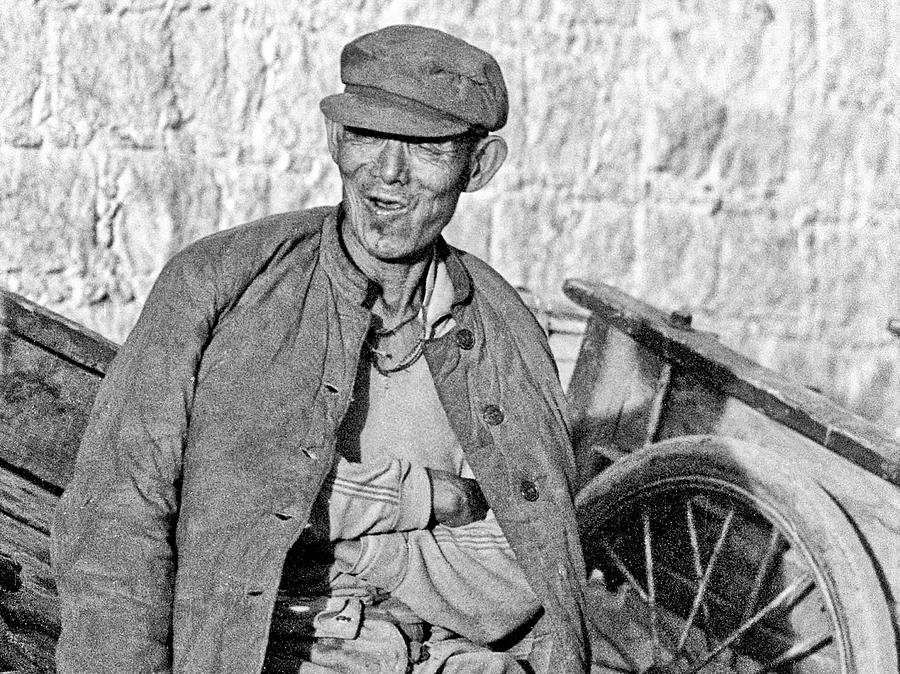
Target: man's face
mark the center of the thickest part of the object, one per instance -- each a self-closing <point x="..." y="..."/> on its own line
<point x="399" y="192"/>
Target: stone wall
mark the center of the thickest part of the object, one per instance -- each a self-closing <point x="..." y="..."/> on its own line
<point x="736" y="158"/>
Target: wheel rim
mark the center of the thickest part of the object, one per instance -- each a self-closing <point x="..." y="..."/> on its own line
<point x="715" y="579"/>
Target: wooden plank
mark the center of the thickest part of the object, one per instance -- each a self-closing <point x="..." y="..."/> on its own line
<point x="67" y="339"/>
<point x="583" y="384"/>
<point x="45" y="402"/>
<point x="25" y="501"/>
<point x="29" y="617"/>
<point x="693" y="407"/>
<point x="660" y="399"/>
<point x="809" y="413"/>
<point x="613" y="389"/>
<point x="28" y="546"/>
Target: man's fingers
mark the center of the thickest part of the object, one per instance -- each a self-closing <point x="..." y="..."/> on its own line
<point x="478" y="505"/>
<point x="455" y="500"/>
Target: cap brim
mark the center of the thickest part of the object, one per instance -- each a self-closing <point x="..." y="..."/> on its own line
<point x="390" y="116"/>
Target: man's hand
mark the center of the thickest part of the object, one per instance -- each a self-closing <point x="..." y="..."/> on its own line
<point x="346" y="554"/>
<point x="455" y="500"/>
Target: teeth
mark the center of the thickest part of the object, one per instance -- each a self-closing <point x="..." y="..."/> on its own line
<point x="387" y="205"/>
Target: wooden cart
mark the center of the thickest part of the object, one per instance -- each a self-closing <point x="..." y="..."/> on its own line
<point x="732" y="520"/>
<point x="755" y="502"/>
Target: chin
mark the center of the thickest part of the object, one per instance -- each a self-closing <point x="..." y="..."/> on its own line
<point x="399" y="253"/>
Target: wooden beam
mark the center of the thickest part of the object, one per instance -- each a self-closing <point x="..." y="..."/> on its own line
<point x="811" y="414"/>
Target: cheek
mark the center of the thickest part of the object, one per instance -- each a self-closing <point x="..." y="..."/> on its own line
<point x="351" y="172"/>
<point x="352" y="161"/>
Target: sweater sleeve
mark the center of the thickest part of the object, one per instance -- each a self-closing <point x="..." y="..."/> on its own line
<point x="361" y="499"/>
<point x="113" y="528"/>
<point x="465" y="579"/>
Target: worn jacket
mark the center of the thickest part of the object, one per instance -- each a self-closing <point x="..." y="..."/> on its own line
<point x="214" y="430"/>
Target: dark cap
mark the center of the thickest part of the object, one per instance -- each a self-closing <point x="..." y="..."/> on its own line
<point x="417" y="81"/>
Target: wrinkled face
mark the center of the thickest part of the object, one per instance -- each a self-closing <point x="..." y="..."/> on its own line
<point x="399" y="192"/>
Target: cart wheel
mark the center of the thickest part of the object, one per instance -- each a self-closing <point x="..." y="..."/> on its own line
<point x="711" y="555"/>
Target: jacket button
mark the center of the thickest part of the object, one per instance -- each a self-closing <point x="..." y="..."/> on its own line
<point x="465" y="339"/>
<point x="529" y="491"/>
<point x="492" y="415"/>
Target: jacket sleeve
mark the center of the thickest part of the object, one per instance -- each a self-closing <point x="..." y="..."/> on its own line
<point x="112" y="537"/>
<point x="360" y="499"/>
<point x="465" y="579"/>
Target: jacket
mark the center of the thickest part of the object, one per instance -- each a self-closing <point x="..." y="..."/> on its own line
<point x="214" y="431"/>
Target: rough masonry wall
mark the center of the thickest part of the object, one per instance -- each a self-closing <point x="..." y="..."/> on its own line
<point x="737" y="158"/>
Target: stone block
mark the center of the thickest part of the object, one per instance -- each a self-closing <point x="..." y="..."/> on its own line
<point x="880" y="149"/>
<point x="217" y="76"/>
<point x="316" y="184"/>
<point x="598" y="244"/>
<point x="821" y="281"/>
<point x="113" y="320"/>
<point x="731" y="48"/>
<point x="249" y="78"/>
<point x="147" y="206"/>
<point x="472" y="226"/>
<point x="720" y="86"/>
<point x="56" y="244"/>
<point x="164" y="203"/>
<point x="493" y="21"/>
<point x="751" y="161"/>
<point x="573" y="115"/>
<point x="113" y="75"/>
<point x="862" y="51"/>
<point x="22" y="46"/>
<point x="683" y="134"/>
<point x="47" y="213"/>
<point x="869" y="383"/>
<point x="244" y="193"/>
<point x="841" y="162"/>
<point x="857" y="279"/>
<point x="539" y="239"/>
<point x="760" y="273"/>
<point x="525" y="223"/>
<point x="676" y="258"/>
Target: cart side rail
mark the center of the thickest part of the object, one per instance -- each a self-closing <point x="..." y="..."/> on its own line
<point x="675" y="343"/>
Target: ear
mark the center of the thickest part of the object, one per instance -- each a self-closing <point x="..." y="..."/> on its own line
<point x="333" y="132"/>
<point x="487" y="158"/>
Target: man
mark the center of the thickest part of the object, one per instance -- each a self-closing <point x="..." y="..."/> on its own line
<point x="274" y="477"/>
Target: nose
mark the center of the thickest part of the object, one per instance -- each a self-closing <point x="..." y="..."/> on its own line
<point x="392" y="162"/>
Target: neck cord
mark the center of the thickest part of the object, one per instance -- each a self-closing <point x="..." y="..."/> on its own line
<point x="419" y="347"/>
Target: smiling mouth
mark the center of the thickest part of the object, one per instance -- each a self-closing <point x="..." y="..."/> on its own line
<point x="386" y="203"/>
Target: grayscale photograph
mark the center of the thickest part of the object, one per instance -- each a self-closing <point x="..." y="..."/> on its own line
<point x="478" y="337"/>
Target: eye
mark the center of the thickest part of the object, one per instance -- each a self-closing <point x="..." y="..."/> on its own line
<point x="446" y="149"/>
<point x="437" y="148"/>
<point x="361" y="136"/>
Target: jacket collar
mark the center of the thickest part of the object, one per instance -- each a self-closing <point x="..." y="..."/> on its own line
<point x="350" y="281"/>
<point x="456" y="270"/>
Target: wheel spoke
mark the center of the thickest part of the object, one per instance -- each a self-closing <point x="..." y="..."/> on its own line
<point x="625" y="572"/>
<point x="651" y="586"/>
<point x="786" y="598"/>
<point x="698" y="565"/>
<point x="761" y="573"/>
<point x="704" y="581"/>
<point x="797" y="652"/>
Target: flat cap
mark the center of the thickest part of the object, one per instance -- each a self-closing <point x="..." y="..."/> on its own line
<point x="416" y="81"/>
